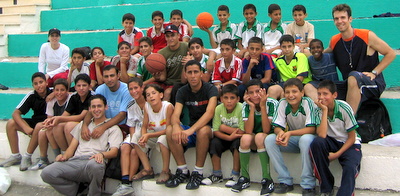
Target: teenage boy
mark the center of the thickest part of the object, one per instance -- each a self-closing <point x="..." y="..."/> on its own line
<point x="75" y="112"/>
<point x="225" y="30"/>
<point x="201" y="99"/>
<point x="85" y="161"/>
<point x="296" y="114"/>
<point x="356" y="54"/>
<point x="257" y="112"/>
<point x="337" y="139"/>
<point x="273" y="31"/>
<point x="35" y="100"/>
<point x="77" y="67"/>
<point x="228" y="128"/>
<point x="145" y="48"/>
<point x="247" y="29"/>
<point x="301" y="30"/>
<point x="227" y="69"/>
<point x="196" y="49"/>
<point x="185" y="29"/>
<point x="130" y="34"/>
<point x="322" y="67"/>
<point x="290" y="65"/>
<point x="156" y="32"/>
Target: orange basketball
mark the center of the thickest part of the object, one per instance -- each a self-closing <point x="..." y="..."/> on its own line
<point x="155" y="63"/>
<point x="204" y="20"/>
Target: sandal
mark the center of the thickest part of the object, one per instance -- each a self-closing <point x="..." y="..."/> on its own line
<point x="143" y="175"/>
<point x="164" y="176"/>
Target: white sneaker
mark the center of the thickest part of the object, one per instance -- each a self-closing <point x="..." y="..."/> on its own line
<point x="40" y="164"/>
<point x="25" y="163"/>
<point x="124" y="189"/>
<point x="232" y="181"/>
<point x="212" y="179"/>
<point x="12" y="160"/>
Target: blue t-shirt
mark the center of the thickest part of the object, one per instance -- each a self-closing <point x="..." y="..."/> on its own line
<point x="117" y="101"/>
<point x="324" y="69"/>
<point x="266" y="63"/>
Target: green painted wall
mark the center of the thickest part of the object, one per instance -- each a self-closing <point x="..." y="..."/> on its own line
<point x="62" y="4"/>
<point x="17" y="75"/>
<point x="393" y="107"/>
<point x="12" y="101"/>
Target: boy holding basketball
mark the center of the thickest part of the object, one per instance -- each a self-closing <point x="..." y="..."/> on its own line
<point x="225" y="30"/>
<point x="145" y="48"/>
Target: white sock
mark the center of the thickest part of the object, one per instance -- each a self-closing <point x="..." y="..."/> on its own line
<point x="27" y="154"/>
<point x="16" y="155"/>
<point x="198" y="169"/>
<point x="183" y="168"/>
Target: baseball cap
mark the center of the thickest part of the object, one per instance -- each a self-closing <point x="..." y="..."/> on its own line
<point x="171" y="28"/>
<point x="54" y="30"/>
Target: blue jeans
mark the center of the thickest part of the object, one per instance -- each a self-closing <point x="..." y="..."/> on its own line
<point x="296" y="144"/>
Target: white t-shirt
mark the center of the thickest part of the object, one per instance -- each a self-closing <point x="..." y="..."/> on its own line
<point x="135" y="116"/>
<point x="52" y="61"/>
<point x="157" y="121"/>
<point x="84" y="70"/>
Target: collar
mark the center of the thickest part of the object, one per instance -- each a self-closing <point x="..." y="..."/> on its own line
<point x="278" y="27"/>
<point x="231" y="65"/>
<point x="153" y="33"/>
<point x="228" y="26"/>
<point x="254" y="27"/>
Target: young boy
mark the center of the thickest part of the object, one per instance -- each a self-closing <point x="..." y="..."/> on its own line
<point x="131" y="34"/>
<point x="290" y="65"/>
<point x="77" y="60"/>
<point x="337" y="139"/>
<point x="201" y="99"/>
<point x="228" y="69"/>
<point x="294" y="127"/>
<point x="76" y="110"/>
<point x="196" y="48"/>
<point x="146" y="48"/>
<point x="185" y="29"/>
<point x="225" y="30"/>
<point x="257" y="112"/>
<point x="249" y="28"/>
<point x="322" y="67"/>
<point x="228" y="128"/>
<point x="35" y="100"/>
<point x="55" y="107"/>
<point x="156" y="32"/>
<point x="301" y="30"/>
<point x="273" y="31"/>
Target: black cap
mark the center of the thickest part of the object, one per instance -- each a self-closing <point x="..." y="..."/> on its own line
<point x="171" y="28"/>
<point x="54" y="30"/>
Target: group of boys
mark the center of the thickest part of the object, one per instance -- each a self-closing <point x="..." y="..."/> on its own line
<point x="260" y="124"/>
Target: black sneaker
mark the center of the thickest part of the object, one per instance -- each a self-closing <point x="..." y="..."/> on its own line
<point x="194" y="181"/>
<point x="308" y="192"/>
<point x="328" y="194"/>
<point x="2" y="87"/>
<point x="243" y="183"/>
<point x="176" y="179"/>
<point x="283" y="188"/>
<point x="267" y="187"/>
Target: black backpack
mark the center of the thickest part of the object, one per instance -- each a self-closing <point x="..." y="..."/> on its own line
<point x="373" y="120"/>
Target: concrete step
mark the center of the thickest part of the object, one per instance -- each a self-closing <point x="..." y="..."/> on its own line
<point x="27" y="9"/>
<point x="32" y="2"/>
<point x="6" y="3"/>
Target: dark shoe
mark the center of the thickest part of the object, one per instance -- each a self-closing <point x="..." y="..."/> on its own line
<point x="194" y="181"/>
<point x="308" y="192"/>
<point x="176" y="179"/>
<point x="2" y="87"/>
<point x="328" y="194"/>
<point x="243" y="183"/>
<point x="267" y="187"/>
<point x="283" y="188"/>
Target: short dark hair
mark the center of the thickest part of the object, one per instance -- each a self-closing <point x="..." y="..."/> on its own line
<point x="137" y="80"/>
<point x="293" y="82"/>
<point x="273" y="7"/>
<point x="253" y="82"/>
<point x="249" y="6"/>
<point x="128" y="16"/>
<point x="155" y="86"/>
<point x="256" y="40"/>
<point x="98" y="48"/>
<point x="328" y="84"/>
<point x="123" y="43"/>
<point x="223" y="8"/>
<point x="110" y="67"/>
<point x="98" y="96"/>
<point x="230" y="88"/>
<point x="342" y="7"/>
<point x="317" y="41"/>
<point x="84" y="77"/>
<point x="38" y="74"/>
<point x="228" y="42"/>
<point x="286" y="38"/>
<point x="299" y="8"/>
<point x="78" y="51"/>
<point x="196" y="40"/>
<point x="176" y="12"/>
<point x="147" y="40"/>
<point x="157" y="13"/>
<point x="192" y="62"/>
<point x="61" y="81"/>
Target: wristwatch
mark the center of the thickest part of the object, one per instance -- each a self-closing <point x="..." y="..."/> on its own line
<point x="375" y="72"/>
